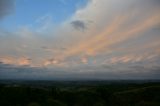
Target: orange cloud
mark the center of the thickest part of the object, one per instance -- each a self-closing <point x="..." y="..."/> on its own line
<point x="23" y="61"/>
<point x="7" y="60"/>
<point x="84" y="60"/>
<point x="15" y="61"/>
<point x="120" y="36"/>
<point x="132" y="58"/>
<point x="87" y="46"/>
<point x="111" y="35"/>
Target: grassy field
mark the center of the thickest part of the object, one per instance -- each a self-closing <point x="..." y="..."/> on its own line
<point x="80" y="93"/>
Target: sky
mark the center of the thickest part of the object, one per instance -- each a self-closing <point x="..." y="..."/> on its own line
<point x="79" y="39"/>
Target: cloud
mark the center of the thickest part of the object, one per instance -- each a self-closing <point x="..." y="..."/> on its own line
<point x="79" y="25"/>
<point x="6" y="7"/>
<point x="24" y="61"/>
<point x="120" y="41"/>
<point x="156" y="2"/>
<point x="8" y="71"/>
<point x="20" y="61"/>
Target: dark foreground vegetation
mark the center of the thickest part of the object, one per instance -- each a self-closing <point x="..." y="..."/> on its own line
<point x="82" y="93"/>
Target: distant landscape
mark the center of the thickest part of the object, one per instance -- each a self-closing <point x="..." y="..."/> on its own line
<point x="80" y="93"/>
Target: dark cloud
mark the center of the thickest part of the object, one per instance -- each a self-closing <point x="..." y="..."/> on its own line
<point x="79" y="25"/>
<point x="8" y="71"/>
<point x="137" y="67"/>
<point x="25" y="72"/>
<point x="44" y="47"/>
<point x="6" y="7"/>
<point x="157" y="27"/>
<point x="156" y="1"/>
